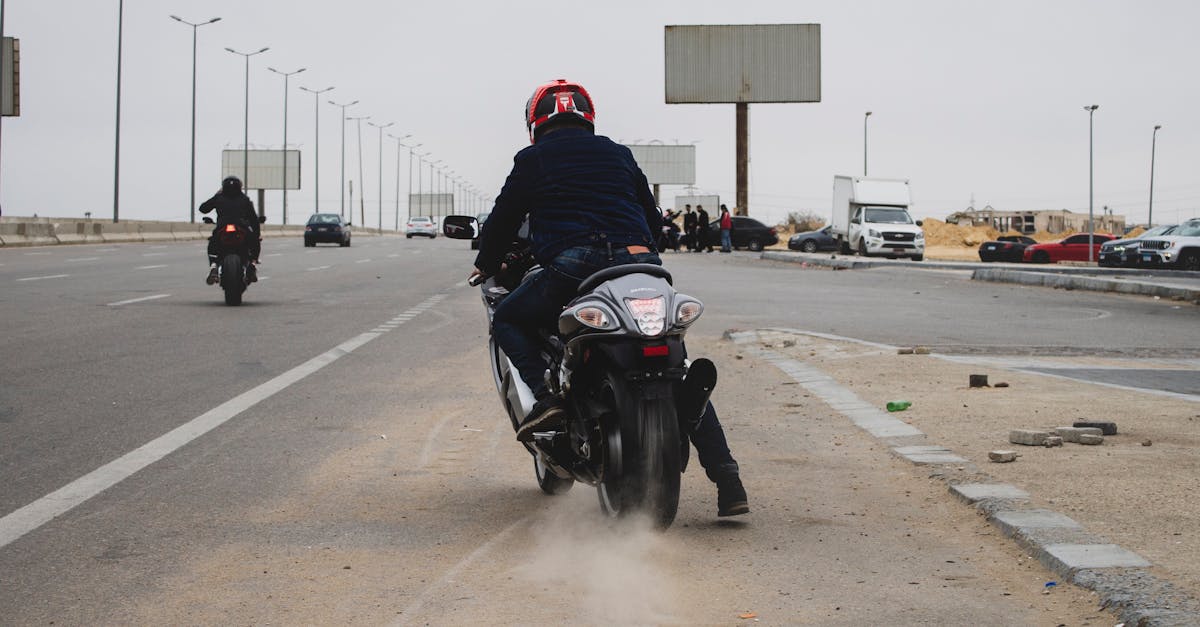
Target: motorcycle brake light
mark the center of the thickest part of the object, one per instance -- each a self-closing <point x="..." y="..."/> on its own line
<point x="656" y="351"/>
<point x="229" y="228"/>
<point x="650" y="313"/>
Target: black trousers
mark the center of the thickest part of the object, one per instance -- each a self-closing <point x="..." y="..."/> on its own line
<point x="712" y="448"/>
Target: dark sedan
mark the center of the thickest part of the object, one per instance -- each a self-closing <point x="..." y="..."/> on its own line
<point x="1005" y="248"/>
<point x="328" y="228"/>
<point x="746" y="233"/>
<point x="812" y="241"/>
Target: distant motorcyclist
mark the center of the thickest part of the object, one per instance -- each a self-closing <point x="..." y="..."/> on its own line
<point x="589" y="207"/>
<point x="232" y="207"/>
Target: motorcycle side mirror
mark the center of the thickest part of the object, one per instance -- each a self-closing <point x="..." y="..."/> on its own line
<point x="460" y="227"/>
<point x="262" y="219"/>
<point x="208" y="220"/>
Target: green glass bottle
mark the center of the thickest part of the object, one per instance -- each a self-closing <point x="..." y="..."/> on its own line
<point x="898" y="405"/>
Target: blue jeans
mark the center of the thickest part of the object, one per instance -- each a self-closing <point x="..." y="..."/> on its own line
<point x="537" y="303"/>
<point x="726" y="243"/>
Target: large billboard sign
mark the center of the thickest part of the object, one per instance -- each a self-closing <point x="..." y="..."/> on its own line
<point x="743" y="63"/>
<point x="666" y="165"/>
<point x="265" y="169"/>
<point x="430" y="204"/>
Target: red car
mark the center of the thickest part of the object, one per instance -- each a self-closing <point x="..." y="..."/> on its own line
<point x="1073" y="248"/>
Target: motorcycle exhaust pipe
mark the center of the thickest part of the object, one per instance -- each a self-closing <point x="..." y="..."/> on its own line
<point x="693" y="392"/>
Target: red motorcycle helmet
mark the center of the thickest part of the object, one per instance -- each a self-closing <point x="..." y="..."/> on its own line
<point x="558" y="98"/>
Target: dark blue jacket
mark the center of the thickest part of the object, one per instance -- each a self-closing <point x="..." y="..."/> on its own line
<point x="579" y="189"/>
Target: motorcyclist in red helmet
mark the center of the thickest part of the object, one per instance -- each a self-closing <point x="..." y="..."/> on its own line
<point x="589" y="207"/>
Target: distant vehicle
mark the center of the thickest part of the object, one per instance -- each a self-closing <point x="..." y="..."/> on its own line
<point x="812" y="241"/>
<point x="1005" y="248"/>
<point x="1179" y="250"/>
<point x="481" y="218"/>
<point x="328" y="228"/>
<point x="747" y="233"/>
<point x="1073" y="248"/>
<point x="871" y="216"/>
<point x="1125" y="252"/>
<point x="421" y="225"/>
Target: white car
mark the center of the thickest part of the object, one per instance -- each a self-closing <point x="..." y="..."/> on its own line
<point x="1180" y="249"/>
<point x="421" y="225"/>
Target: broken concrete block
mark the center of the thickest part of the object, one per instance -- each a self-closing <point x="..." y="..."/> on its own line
<point x="1003" y="457"/>
<point x="1072" y="434"/>
<point x="1053" y="441"/>
<point x="904" y="351"/>
<point x="921" y="350"/>
<point x="1091" y="438"/>
<point x="1028" y="437"/>
<point x="978" y="380"/>
<point x="1105" y="427"/>
<point x="1001" y="384"/>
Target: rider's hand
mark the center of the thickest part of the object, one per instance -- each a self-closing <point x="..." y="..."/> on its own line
<point x="475" y="272"/>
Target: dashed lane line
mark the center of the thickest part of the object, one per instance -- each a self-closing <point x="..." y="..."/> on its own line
<point x="42" y="278"/>
<point x="150" y="267"/>
<point x="137" y="300"/>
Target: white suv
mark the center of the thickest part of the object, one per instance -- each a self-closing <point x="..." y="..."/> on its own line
<point x="421" y="225"/>
<point x="1180" y="249"/>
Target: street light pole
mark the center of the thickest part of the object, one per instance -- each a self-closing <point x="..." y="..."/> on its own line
<point x="317" y="147"/>
<point x="1153" y="140"/>
<point x="362" y="184"/>
<point x="195" y="26"/>
<point x="380" y="127"/>
<point x="1091" y="109"/>
<point x="286" y="76"/>
<point x="868" y="115"/>
<point x="342" y="202"/>
<point x="117" y="141"/>
<point x="399" y="144"/>
<point x="246" y="124"/>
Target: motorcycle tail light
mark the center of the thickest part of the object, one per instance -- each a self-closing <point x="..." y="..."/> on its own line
<point x="594" y="317"/>
<point x="656" y="351"/>
<point x="687" y="312"/>
<point x="230" y="228"/>
<point x="650" y="313"/>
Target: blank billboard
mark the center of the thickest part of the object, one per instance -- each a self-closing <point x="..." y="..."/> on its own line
<point x="666" y="165"/>
<point x="430" y="204"/>
<point x="743" y="63"/>
<point x="265" y="168"/>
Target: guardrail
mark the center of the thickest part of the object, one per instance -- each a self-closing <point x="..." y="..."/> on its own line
<point x="16" y="231"/>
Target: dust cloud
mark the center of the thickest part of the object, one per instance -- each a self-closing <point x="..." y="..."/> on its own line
<point x="615" y="570"/>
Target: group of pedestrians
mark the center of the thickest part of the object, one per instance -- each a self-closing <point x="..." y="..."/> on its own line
<point x="697" y="230"/>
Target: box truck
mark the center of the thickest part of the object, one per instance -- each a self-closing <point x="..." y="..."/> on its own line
<point x="870" y="217"/>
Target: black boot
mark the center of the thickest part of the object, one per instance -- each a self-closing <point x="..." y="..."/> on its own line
<point x="212" y="277"/>
<point x="546" y="415"/>
<point x="731" y="497"/>
<point x="251" y="273"/>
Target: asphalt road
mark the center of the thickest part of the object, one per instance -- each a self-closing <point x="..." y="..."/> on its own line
<point x="157" y="447"/>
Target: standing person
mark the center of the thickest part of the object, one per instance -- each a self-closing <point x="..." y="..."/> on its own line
<point x="589" y="207"/>
<point x="726" y="230"/>
<point x="233" y="207"/>
<point x="702" y="230"/>
<point x="689" y="227"/>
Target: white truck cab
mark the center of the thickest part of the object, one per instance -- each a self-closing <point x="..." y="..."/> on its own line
<point x="871" y="216"/>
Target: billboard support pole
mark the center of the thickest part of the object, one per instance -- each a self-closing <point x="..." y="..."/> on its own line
<point x="743" y="158"/>
<point x="656" y="195"/>
<point x="262" y="202"/>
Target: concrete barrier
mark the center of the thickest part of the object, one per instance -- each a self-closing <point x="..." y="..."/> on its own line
<point x="28" y="234"/>
<point x="121" y="232"/>
<point x="19" y="231"/>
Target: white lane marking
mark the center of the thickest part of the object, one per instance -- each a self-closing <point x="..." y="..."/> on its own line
<point x="154" y="254"/>
<point x="362" y="261"/>
<point x="49" y="276"/>
<point x="38" y="253"/>
<point x="274" y="255"/>
<point x="393" y="255"/>
<point x="264" y="278"/>
<point x="81" y="259"/>
<point x="66" y="498"/>
<point x="318" y="268"/>
<point x="152" y="247"/>
<point x="149" y="267"/>
<point x="107" y="250"/>
<point x="137" y="300"/>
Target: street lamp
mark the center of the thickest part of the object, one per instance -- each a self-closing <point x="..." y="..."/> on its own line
<point x="1153" y="139"/>
<point x="286" y="76"/>
<point x="433" y="209"/>
<point x="317" y="148"/>
<point x="1091" y="109"/>
<point x="342" y="202"/>
<point x="380" y="127"/>
<point x="362" y="185"/>
<point x="246" y="124"/>
<point x="195" y="26"/>
<point x="865" y="142"/>
<point x="117" y="139"/>
<point x="400" y="143"/>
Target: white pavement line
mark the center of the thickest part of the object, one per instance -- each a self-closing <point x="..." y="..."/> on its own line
<point x="137" y="300"/>
<point x="150" y="267"/>
<point x="318" y="268"/>
<point x="393" y="256"/>
<point x="274" y="255"/>
<point x="49" y="276"/>
<point x="66" y="498"/>
<point x="435" y="589"/>
<point x="363" y="261"/>
<point x="38" y="253"/>
<point x="162" y="246"/>
<point x="154" y="254"/>
<point x="81" y="259"/>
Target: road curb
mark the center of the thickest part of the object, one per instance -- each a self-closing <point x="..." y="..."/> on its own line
<point x="1118" y="576"/>
<point x="1095" y="284"/>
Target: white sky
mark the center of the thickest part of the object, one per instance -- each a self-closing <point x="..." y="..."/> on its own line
<point x="970" y="98"/>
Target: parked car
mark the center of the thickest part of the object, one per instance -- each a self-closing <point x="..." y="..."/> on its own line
<point x="481" y="218"/>
<point x="747" y="233"/>
<point x="1124" y="252"/>
<point x="421" y="225"/>
<point x="1005" y="248"/>
<point x="1180" y="249"/>
<point x="1073" y="248"/>
<point x="812" y="241"/>
<point x="329" y="228"/>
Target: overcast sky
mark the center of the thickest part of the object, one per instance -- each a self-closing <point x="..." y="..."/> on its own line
<point x="970" y="99"/>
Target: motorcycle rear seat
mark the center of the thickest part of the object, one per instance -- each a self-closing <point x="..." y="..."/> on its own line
<point x="609" y="274"/>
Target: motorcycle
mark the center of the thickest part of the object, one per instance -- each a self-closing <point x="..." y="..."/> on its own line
<point x="233" y="259"/>
<point x="618" y="362"/>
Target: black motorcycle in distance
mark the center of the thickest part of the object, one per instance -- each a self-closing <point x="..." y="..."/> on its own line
<point x="233" y="259"/>
<point x="617" y="361"/>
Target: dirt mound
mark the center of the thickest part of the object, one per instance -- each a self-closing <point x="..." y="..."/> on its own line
<point x="939" y="233"/>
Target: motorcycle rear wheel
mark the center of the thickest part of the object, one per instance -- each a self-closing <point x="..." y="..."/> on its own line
<point x="641" y="453"/>
<point x="231" y="279"/>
